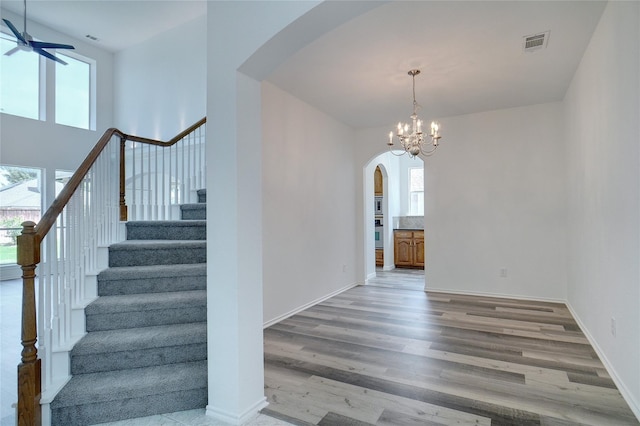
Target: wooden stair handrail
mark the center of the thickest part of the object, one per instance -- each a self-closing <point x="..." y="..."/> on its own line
<point x="49" y="218"/>
<point x="28" y="257"/>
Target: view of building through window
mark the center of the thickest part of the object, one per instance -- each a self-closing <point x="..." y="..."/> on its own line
<point x="416" y="191"/>
<point x="20" y="200"/>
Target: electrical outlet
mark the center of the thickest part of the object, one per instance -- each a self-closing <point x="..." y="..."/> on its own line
<point x="503" y="272"/>
<point x="613" y="327"/>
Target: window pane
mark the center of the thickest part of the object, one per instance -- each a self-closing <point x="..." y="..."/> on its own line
<point x="416" y="203"/>
<point x="416" y="191"/>
<point x="416" y="179"/>
<point x="19" y="82"/>
<point x="72" y="92"/>
<point x="20" y="200"/>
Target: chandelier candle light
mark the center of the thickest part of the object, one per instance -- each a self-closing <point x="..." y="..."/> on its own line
<point x="415" y="143"/>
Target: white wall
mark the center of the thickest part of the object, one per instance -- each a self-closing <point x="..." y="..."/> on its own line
<point x="494" y="198"/>
<point x="602" y="118"/>
<point x="44" y="144"/>
<point x="160" y="84"/>
<point x="234" y="204"/>
<point x="308" y="186"/>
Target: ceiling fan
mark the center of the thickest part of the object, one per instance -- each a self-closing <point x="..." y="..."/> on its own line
<point x="26" y="42"/>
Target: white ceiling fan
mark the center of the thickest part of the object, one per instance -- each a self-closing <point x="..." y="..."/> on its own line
<point x="26" y="42"/>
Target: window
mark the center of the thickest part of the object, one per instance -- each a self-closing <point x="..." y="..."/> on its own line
<point x="20" y="200"/>
<point x="73" y="86"/>
<point x="20" y="80"/>
<point x="416" y="191"/>
<point x="23" y="86"/>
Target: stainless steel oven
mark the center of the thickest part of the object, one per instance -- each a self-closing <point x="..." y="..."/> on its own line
<point x="377" y="206"/>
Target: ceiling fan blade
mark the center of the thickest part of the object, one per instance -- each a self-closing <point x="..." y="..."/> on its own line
<point x="15" y="31"/>
<point x="12" y="51"/>
<point x="47" y="45"/>
<point x="48" y="55"/>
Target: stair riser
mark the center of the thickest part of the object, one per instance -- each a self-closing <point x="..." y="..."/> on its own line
<point x="202" y="195"/>
<point x="156" y="256"/>
<point x="151" y="285"/>
<point x="148" y="318"/>
<point x="199" y="213"/>
<point x="111" y="411"/>
<point x="93" y="363"/>
<point x="166" y="232"/>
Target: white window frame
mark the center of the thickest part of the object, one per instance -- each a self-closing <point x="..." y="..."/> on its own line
<point x="41" y="82"/>
<point x="47" y="81"/>
<point x="92" y="85"/>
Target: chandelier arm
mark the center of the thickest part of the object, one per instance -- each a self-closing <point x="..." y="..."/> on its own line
<point x="397" y="155"/>
<point x="430" y="152"/>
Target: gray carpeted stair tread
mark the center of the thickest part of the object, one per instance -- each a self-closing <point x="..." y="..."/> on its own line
<point x="113" y="385"/>
<point x="139" y="347"/>
<point x="202" y="195"/>
<point x="152" y="279"/>
<point x="177" y="223"/>
<point x="115" y="395"/>
<point x="193" y="211"/>
<point x="141" y="338"/>
<point x="156" y="244"/>
<point x="146" y="310"/>
<point x="152" y="271"/>
<point x="146" y="302"/>
<point x="167" y="230"/>
<point x="157" y="252"/>
<point x="193" y="206"/>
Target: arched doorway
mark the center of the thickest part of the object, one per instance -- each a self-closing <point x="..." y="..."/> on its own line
<point x="401" y="207"/>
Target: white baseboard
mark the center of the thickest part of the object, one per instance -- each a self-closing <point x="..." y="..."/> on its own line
<point x="633" y="404"/>
<point x="498" y="295"/>
<point x="10" y="272"/>
<point x="307" y="305"/>
<point x="46" y="414"/>
<point x="237" y="419"/>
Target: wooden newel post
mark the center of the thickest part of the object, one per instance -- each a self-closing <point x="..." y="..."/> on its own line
<point x="29" y="373"/>
<point x="123" y="203"/>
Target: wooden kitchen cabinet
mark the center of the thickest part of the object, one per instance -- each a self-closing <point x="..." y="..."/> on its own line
<point x="418" y="245"/>
<point x="377" y="182"/>
<point x="409" y="249"/>
<point x="379" y="257"/>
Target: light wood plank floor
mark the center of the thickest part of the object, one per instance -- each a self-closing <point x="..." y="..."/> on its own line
<point x="388" y="355"/>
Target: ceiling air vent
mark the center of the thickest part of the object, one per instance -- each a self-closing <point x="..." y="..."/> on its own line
<point x="534" y="42"/>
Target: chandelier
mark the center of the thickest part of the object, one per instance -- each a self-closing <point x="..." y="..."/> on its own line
<point x="416" y="142"/>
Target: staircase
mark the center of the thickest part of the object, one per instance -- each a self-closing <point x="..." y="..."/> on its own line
<point x="145" y="351"/>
